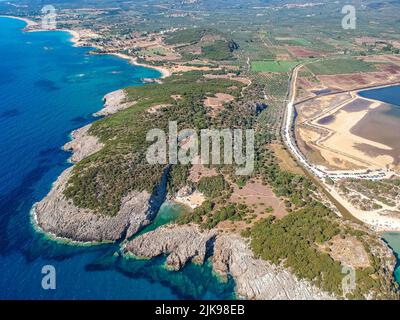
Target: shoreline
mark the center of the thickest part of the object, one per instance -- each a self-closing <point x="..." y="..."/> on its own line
<point x="60" y="240"/>
<point x="76" y="38"/>
<point x="165" y="73"/>
<point x="33" y="214"/>
<point x="375" y="222"/>
<point x="358" y="91"/>
<point x="29" y="22"/>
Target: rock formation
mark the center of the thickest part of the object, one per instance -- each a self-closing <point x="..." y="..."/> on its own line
<point x="82" y="144"/>
<point x="57" y="215"/>
<point x="114" y="102"/>
<point x="231" y="255"/>
<point x="182" y="244"/>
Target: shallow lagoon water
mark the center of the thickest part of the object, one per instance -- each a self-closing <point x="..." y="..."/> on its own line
<point x="49" y="88"/>
<point x="391" y="96"/>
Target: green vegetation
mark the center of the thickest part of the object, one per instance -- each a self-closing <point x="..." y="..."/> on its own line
<point x="231" y="212"/>
<point x="219" y="50"/>
<point x="102" y="180"/>
<point x="340" y="66"/>
<point x="186" y="36"/>
<point x="198" y="214"/>
<point x="293" y="241"/>
<point x="178" y="177"/>
<point x="297" y="189"/>
<point x="154" y="52"/>
<point x="212" y="44"/>
<point x="207" y="219"/>
<point x="212" y="187"/>
<point x="273" y="66"/>
<point x="295" y="41"/>
<point x="366" y="193"/>
<point x="121" y="165"/>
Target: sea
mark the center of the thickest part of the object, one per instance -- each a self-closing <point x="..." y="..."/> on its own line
<point x="48" y="88"/>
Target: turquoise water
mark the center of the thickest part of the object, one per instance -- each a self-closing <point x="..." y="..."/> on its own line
<point x="393" y="239"/>
<point x="49" y="88"/>
<point x="168" y="212"/>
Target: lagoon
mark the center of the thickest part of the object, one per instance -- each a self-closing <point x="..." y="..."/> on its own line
<point x="390" y="114"/>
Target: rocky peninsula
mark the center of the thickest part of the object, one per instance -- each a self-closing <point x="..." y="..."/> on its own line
<point x="113" y="102"/>
<point x="231" y="255"/>
<point x="58" y="216"/>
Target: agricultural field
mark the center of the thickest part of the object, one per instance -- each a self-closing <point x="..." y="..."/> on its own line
<point x="273" y="66"/>
<point x="294" y="41"/>
<point x="340" y="66"/>
<point x="229" y="65"/>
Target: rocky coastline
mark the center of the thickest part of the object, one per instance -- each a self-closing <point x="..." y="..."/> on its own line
<point x="58" y="216"/>
<point x="82" y="144"/>
<point x="113" y="102"/>
<point x="231" y="256"/>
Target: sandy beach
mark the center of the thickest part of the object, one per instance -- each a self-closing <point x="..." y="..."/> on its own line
<point x="192" y="201"/>
<point x="29" y="22"/>
<point x="377" y="219"/>
<point x="75" y="36"/>
<point x="164" y="71"/>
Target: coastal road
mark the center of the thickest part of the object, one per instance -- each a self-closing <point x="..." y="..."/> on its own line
<point x="320" y="174"/>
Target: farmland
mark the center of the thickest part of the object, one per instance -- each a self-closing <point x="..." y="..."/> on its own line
<point x="273" y="66"/>
<point x="340" y="66"/>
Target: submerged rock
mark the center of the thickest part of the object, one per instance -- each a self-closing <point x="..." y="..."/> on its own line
<point x="181" y="244"/>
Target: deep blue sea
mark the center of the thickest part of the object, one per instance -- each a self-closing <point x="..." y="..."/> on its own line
<point x="389" y="95"/>
<point x="47" y="89"/>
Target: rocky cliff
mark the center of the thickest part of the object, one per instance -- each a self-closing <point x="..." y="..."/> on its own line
<point x="59" y="216"/>
<point x="256" y="278"/>
<point x="82" y="144"/>
<point x="181" y="244"/>
<point x="231" y="255"/>
<point x="113" y="102"/>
